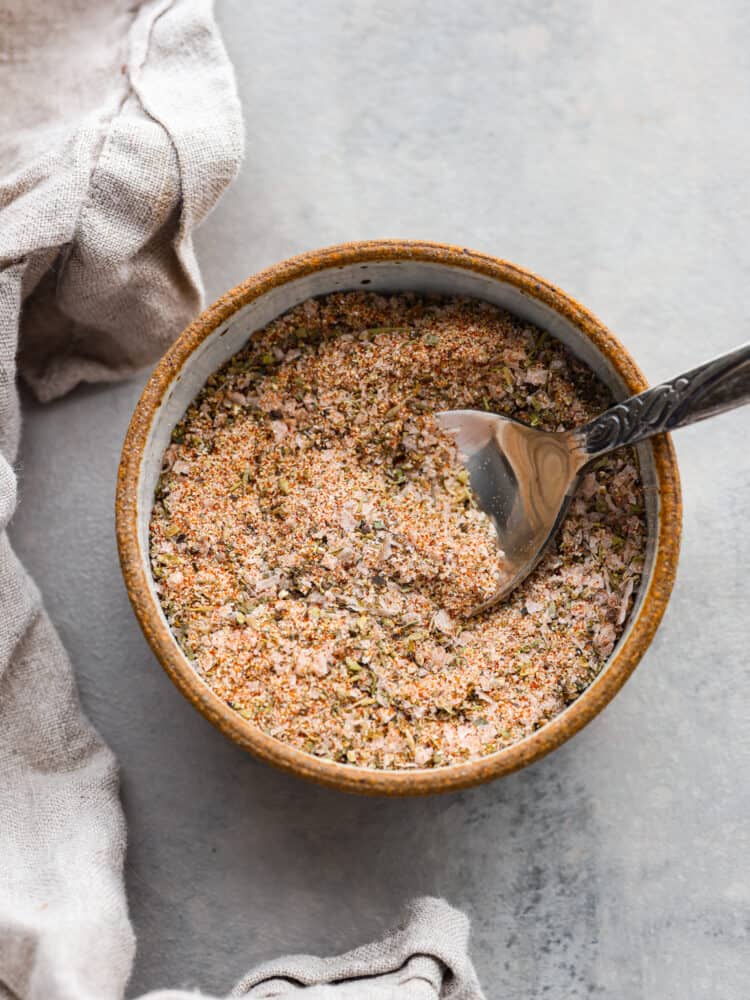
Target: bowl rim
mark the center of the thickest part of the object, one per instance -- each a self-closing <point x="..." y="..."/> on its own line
<point x="346" y="776"/>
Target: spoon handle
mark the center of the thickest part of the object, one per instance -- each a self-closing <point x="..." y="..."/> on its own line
<point x="714" y="387"/>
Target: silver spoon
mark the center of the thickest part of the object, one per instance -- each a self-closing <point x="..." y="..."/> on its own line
<point x="524" y="478"/>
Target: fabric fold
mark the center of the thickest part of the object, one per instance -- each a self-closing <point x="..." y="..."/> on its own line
<point x="99" y="198"/>
<point x="425" y="957"/>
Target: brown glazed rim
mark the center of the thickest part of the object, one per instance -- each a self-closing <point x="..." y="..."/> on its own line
<point x="344" y="776"/>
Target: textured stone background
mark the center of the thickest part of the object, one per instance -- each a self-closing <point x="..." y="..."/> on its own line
<point x="604" y="145"/>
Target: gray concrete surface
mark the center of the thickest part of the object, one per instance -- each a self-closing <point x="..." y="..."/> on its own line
<point x="604" y="145"/>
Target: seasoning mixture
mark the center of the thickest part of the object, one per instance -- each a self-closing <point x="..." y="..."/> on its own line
<point x="316" y="547"/>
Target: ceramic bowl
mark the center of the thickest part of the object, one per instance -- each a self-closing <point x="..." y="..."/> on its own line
<point x="388" y="266"/>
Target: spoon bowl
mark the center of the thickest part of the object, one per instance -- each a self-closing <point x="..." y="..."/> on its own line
<point x="522" y="478"/>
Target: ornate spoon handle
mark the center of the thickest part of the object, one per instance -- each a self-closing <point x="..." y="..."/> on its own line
<point x="714" y="387"/>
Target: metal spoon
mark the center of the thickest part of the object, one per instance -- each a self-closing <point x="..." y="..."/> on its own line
<point x="524" y="479"/>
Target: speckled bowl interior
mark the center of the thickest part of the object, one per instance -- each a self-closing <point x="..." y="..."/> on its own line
<point x="385" y="267"/>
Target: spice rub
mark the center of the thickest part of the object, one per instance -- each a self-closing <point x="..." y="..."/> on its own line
<point x="317" y="550"/>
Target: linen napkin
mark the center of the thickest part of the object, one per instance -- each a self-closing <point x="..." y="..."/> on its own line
<point x="120" y="128"/>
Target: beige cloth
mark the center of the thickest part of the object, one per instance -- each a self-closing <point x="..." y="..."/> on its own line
<point x="120" y="127"/>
